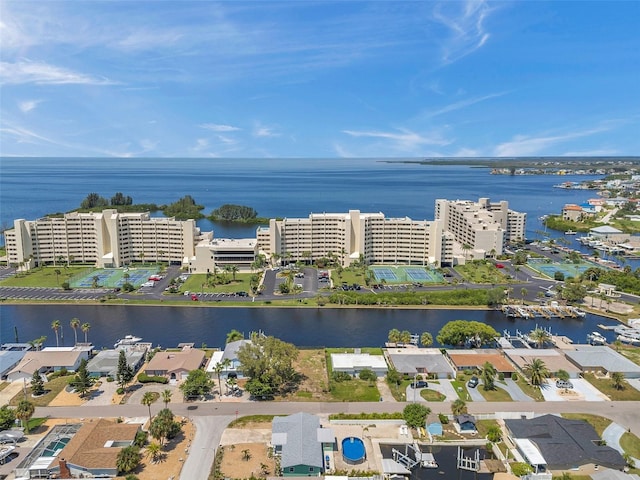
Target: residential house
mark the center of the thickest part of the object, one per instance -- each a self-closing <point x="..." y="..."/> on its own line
<point x="175" y="365"/>
<point x="301" y="441"/>
<point x="429" y="362"/>
<point x="95" y="447"/>
<point x="105" y="363"/>
<point x="466" y="422"/>
<point x="602" y="360"/>
<point x="9" y="359"/>
<point x="474" y="359"/>
<point x="554" y="359"/>
<point x="572" y="212"/>
<point x="50" y="359"/>
<point x="229" y="358"/>
<point x="550" y="442"/>
<point x="354" y="363"/>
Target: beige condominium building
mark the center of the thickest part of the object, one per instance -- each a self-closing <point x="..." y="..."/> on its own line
<point x="481" y="228"/>
<point x="107" y="239"/>
<point x="354" y="235"/>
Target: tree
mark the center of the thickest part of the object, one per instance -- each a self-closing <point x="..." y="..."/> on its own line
<point x="488" y="374"/>
<point x="154" y="451"/>
<point x="124" y="372"/>
<point x="394" y="336"/>
<point x="75" y="323"/>
<point x="246" y="455"/>
<point x="426" y="339"/>
<point x="7" y="417"/>
<point x="57" y="272"/>
<point x="234" y="270"/>
<point x="270" y="361"/>
<point x="523" y="293"/>
<point x="540" y="336"/>
<point x="128" y="459"/>
<point x="494" y="434"/>
<point x="617" y="379"/>
<point x="405" y="337"/>
<point x="166" y="397"/>
<point x="24" y="412"/>
<point x="163" y="426"/>
<point x="82" y="381"/>
<point x="458" y="407"/>
<point x="368" y="375"/>
<point x="55" y="325"/>
<point x="85" y="329"/>
<point x="234" y="335"/>
<point x="564" y="376"/>
<point x="147" y="399"/>
<point x="415" y="414"/>
<point x="461" y="332"/>
<point x="537" y="372"/>
<point x="37" y="384"/>
<point x="197" y="384"/>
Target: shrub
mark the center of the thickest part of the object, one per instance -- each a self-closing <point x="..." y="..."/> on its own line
<point x="514" y="376"/>
<point x="443" y="418"/>
<point x="520" y="469"/>
<point x="141" y="439"/>
<point x="144" y="378"/>
<point x="368" y="375"/>
<point x="109" y="379"/>
<point x="340" y="376"/>
<point x="120" y="391"/>
<point x="500" y="376"/>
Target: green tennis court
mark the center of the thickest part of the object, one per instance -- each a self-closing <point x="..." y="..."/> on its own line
<point x="113" y="277"/>
<point x="406" y="274"/>
<point x="567" y="269"/>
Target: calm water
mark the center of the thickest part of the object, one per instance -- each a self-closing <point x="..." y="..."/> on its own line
<point x="169" y="326"/>
<point x="30" y="188"/>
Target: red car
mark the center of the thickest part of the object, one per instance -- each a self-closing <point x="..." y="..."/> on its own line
<point x="194" y="297"/>
<point x="499" y="265"/>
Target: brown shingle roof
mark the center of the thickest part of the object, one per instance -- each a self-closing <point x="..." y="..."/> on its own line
<point x="186" y="360"/>
<point x="87" y="447"/>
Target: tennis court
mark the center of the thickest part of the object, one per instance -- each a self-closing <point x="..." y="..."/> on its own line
<point x="113" y="277"/>
<point x="567" y="269"/>
<point x="406" y="274"/>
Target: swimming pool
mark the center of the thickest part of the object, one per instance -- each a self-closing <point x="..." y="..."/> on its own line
<point x="353" y="451"/>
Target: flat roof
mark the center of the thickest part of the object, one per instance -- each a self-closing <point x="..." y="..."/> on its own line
<point x="530" y="451"/>
<point x="358" y="360"/>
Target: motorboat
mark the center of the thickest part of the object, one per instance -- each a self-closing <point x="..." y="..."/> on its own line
<point x="127" y="340"/>
<point x="569" y="232"/>
<point x="596" y="338"/>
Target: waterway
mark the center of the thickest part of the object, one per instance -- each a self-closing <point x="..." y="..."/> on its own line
<point x="314" y="327"/>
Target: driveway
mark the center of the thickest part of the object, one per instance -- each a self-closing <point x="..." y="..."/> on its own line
<point x="581" y="391"/>
<point x="475" y="395"/>
<point x="512" y="388"/>
<point x="209" y="431"/>
<point x="444" y="387"/>
<point x="103" y="395"/>
<point x="612" y="435"/>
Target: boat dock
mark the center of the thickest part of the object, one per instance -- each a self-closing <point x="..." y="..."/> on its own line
<point x="542" y="311"/>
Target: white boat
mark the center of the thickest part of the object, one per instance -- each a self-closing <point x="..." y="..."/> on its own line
<point x="569" y="232"/>
<point x="428" y="461"/>
<point x="629" y="340"/>
<point x="127" y="340"/>
<point x="596" y="338"/>
<point x="578" y="312"/>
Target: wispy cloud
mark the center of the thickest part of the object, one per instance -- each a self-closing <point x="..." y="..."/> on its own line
<point x="215" y="127"/>
<point x="28" y="105"/>
<point x="465" y="23"/>
<point x="264" y="131"/>
<point x="523" y="145"/>
<point x="42" y="73"/>
<point x="460" y="105"/>
<point x="403" y="139"/>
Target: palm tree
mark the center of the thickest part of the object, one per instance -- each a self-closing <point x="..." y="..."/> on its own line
<point x="537" y="372"/>
<point x="217" y="369"/>
<point x="55" y="325"/>
<point x="57" y="272"/>
<point x="234" y="270"/>
<point x="523" y="293"/>
<point x="154" y="451"/>
<point x="426" y="339"/>
<point x="618" y="380"/>
<point x="166" y="397"/>
<point x="24" y="412"/>
<point x="75" y="323"/>
<point x="394" y="336"/>
<point x="540" y="336"/>
<point x="458" y="407"/>
<point x="85" y="329"/>
<point x="488" y="374"/>
<point x="147" y="399"/>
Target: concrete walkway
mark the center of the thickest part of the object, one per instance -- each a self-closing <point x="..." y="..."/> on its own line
<point x="385" y="391"/>
<point x="10" y="391"/>
<point x="612" y="435"/>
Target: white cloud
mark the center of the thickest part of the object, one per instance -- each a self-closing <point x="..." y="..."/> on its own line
<point x="44" y="74"/>
<point x="461" y="104"/>
<point x="404" y="140"/>
<point x="523" y="145"/>
<point x="467" y="32"/>
<point x="28" y="105"/>
<point x="215" y="127"/>
<point x="264" y="131"/>
<point x="201" y="145"/>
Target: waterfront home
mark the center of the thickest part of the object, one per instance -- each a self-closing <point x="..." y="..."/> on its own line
<point x="549" y="442"/>
<point x="229" y="359"/>
<point x="602" y="360"/>
<point x="608" y="234"/>
<point x="572" y="212"/>
<point x="50" y="359"/>
<point x="428" y="362"/>
<point x="175" y="365"/>
<point x="8" y="361"/>
<point x="300" y="441"/>
<point x="105" y="363"/>
<point x="354" y="363"/>
<point x="474" y="359"/>
<point x="554" y="359"/>
<point x="94" y="449"/>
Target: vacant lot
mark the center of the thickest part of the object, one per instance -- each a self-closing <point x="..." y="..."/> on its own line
<point x="312" y="365"/>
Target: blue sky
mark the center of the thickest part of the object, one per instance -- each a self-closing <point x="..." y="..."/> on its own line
<point x="319" y="79"/>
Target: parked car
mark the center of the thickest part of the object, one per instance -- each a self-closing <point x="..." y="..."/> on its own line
<point x="564" y="384"/>
<point x="419" y="384"/>
<point x="499" y="265"/>
<point x="473" y="382"/>
<point x="194" y="297"/>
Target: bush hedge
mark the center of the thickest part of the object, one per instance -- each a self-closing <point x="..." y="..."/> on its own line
<point x="144" y="378"/>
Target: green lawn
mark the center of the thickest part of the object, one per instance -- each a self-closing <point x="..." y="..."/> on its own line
<point x="481" y="272"/>
<point x="432" y="396"/>
<point x="606" y="386"/>
<point x="461" y="390"/>
<point x="354" y="390"/>
<point x="197" y="283"/>
<point x="530" y="390"/>
<point x="497" y="395"/>
<point x="632" y="353"/>
<point x="348" y="275"/>
<point x="597" y="422"/>
<point x="399" y="391"/>
<point x="45" y="277"/>
<point x="53" y="388"/>
<point x="631" y="445"/>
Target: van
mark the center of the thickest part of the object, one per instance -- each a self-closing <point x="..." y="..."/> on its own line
<point x="473" y="382"/>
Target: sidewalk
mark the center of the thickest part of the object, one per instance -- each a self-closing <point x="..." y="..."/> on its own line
<point x="612" y="435"/>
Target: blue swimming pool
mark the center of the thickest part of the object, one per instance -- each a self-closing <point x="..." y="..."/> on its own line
<point x="353" y="450"/>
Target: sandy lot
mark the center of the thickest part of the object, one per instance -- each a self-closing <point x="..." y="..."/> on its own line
<point x="243" y="460"/>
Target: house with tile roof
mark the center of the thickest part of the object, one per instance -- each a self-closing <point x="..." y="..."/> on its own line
<point x="48" y="360"/>
<point x="176" y="365"/>
<point x="300" y="441"/>
<point x="474" y="359"/>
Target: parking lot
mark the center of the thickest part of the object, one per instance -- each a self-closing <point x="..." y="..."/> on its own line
<point x="43" y="294"/>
